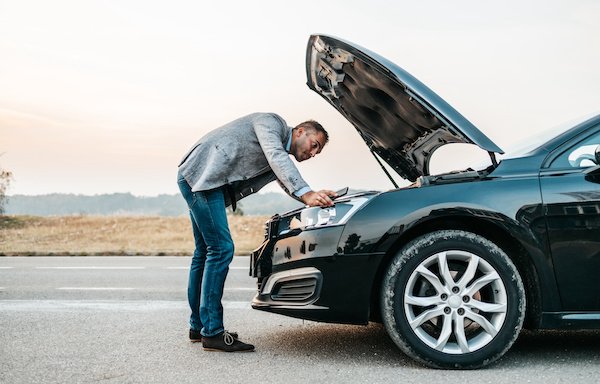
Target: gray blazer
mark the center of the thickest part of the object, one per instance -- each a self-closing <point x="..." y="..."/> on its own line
<point x="243" y="156"/>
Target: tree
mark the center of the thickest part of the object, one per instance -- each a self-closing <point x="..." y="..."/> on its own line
<point x="5" y="179"/>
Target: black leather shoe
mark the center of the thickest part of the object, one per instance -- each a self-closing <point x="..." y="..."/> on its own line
<point x="225" y="342"/>
<point x="196" y="336"/>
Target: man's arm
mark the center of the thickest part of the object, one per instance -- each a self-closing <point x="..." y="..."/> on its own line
<point x="270" y="131"/>
<point x="320" y="198"/>
<point x="295" y="195"/>
<point x="311" y="198"/>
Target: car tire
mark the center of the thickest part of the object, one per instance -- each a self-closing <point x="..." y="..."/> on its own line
<point x="453" y="299"/>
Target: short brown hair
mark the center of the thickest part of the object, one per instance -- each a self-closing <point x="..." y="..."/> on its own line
<point x="314" y="126"/>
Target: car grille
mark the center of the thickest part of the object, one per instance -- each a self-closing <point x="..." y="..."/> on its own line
<point x="295" y="290"/>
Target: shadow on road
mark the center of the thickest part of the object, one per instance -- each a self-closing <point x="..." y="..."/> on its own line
<point x="354" y="344"/>
<point x="370" y="344"/>
<point x="556" y="347"/>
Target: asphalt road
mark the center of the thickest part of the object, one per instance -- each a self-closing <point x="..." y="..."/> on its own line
<point x="124" y="320"/>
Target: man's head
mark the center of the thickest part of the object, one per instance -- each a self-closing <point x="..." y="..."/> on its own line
<point x="308" y="139"/>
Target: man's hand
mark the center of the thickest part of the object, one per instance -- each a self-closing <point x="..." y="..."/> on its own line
<point x="321" y="198"/>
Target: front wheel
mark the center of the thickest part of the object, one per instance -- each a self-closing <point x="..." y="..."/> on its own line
<point x="453" y="299"/>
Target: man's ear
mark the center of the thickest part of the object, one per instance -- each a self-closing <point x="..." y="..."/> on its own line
<point x="299" y="131"/>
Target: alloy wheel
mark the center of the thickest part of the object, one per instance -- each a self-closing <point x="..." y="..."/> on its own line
<point x="455" y="302"/>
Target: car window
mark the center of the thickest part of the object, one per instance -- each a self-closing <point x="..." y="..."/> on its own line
<point x="538" y="139"/>
<point x="580" y="155"/>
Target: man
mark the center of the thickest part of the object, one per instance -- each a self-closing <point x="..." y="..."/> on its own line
<point x="224" y="166"/>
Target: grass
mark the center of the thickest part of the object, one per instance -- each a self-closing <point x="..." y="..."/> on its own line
<point x="115" y="235"/>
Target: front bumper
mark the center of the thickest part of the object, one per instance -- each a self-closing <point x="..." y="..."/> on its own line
<point x="303" y="274"/>
<point x="302" y="270"/>
<point x="299" y="287"/>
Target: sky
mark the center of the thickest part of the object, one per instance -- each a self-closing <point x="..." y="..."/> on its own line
<point x="103" y="96"/>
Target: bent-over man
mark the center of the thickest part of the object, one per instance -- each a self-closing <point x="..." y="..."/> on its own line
<point x="225" y="165"/>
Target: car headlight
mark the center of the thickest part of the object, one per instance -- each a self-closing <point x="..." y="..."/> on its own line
<point x="318" y="217"/>
<point x="326" y="216"/>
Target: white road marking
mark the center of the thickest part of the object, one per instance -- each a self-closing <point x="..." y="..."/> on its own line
<point x="106" y="305"/>
<point x="95" y="289"/>
<point x="242" y="268"/>
<point x="131" y="289"/>
<point x="91" y="267"/>
<point x="116" y="267"/>
<point x="241" y="289"/>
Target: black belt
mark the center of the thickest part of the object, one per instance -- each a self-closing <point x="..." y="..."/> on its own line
<point x="231" y="193"/>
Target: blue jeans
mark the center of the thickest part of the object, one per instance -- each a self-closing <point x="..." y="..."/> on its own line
<point x="212" y="256"/>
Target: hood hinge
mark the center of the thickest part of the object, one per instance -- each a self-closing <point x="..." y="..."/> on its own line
<point x="383" y="167"/>
<point x="493" y="157"/>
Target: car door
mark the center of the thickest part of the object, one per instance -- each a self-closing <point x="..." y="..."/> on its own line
<point x="570" y="187"/>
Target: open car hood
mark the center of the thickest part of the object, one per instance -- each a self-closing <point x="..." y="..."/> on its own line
<point x="399" y="118"/>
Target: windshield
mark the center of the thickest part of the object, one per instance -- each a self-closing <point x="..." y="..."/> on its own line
<point x="538" y="139"/>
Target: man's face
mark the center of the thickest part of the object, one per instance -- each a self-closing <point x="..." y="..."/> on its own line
<point x="306" y="143"/>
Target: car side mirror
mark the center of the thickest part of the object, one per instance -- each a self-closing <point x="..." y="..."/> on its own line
<point x="592" y="174"/>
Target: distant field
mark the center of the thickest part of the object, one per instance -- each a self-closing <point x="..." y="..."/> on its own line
<point x="114" y="235"/>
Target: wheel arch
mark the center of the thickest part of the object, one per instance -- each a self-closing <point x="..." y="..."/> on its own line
<point x="485" y="228"/>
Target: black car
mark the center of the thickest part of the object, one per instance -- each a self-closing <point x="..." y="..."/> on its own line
<point x="455" y="264"/>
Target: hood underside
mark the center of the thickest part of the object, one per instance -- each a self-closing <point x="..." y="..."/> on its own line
<point x="398" y="117"/>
